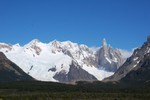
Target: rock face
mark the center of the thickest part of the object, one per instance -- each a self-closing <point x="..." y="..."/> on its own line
<point x="135" y="63"/>
<point x="76" y="73"/>
<point x="108" y="58"/>
<point x="141" y="73"/>
<point x="10" y="71"/>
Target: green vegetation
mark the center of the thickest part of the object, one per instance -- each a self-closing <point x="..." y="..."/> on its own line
<point x="32" y="90"/>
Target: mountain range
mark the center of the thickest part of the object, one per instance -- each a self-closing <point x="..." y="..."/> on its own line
<point x="64" y="61"/>
<point x="69" y="62"/>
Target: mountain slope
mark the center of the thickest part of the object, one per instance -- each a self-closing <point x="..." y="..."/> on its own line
<point x="141" y="73"/>
<point x="10" y="71"/>
<point x="48" y="61"/>
<point x="134" y="64"/>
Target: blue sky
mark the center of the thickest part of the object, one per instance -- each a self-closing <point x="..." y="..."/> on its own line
<point x="124" y="23"/>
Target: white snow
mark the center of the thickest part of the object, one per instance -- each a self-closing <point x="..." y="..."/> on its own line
<point x="115" y="60"/>
<point x="136" y="58"/>
<point x="136" y="64"/>
<point x="148" y="50"/>
<point x="52" y="55"/>
<point x="25" y="57"/>
<point x="108" y="60"/>
<point x="41" y="64"/>
<point x="99" y="74"/>
<point x="138" y="61"/>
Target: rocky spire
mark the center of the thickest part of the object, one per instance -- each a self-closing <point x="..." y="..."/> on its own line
<point x="105" y="47"/>
<point x="104" y="43"/>
<point x="148" y="39"/>
<point x="109" y="58"/>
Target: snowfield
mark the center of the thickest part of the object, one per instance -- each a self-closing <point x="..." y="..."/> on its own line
<point x="43" y="60"/>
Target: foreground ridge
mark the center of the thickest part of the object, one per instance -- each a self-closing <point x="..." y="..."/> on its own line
<point x="136" y="67"/>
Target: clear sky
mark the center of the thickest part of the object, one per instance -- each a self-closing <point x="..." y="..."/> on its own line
<point x="124" y="23"/>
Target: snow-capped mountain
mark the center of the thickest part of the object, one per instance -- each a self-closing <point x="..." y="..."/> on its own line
<point x="108" y="58"/>
<point x="137" y="63"/>
<point x="61" y="61"/>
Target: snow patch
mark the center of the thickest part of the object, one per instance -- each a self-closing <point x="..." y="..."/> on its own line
<point x="148" y="50"/>
<point x="99" y="74"/>
<point x="108" y="60"/>
<point x="136" y="64"/>
<point x="136" y="58"/>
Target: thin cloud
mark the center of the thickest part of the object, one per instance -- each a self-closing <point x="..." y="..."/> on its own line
<point x="94" y="49"/>
<point x="125" y="53"/>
